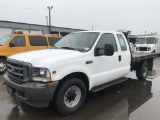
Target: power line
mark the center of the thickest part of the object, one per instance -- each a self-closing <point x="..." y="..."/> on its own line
<point x="22" y="13"/>
<point x="71" y="16"/>
<point x="89" y="22"/>
<point x="21" y="8"/>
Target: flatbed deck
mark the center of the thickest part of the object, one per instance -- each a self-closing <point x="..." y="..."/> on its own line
<point x="136" y="57"/>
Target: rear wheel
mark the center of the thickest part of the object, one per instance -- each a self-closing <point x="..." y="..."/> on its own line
<point x="71" y="96"/>
<point x="3" y="66"/>
<point x="142" y="70"/>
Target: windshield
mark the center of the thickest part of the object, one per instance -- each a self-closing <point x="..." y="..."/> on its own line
<point x="150" y="40"/>
<point x="4" y="39"/>
<point x="141" y="40"/>
<point x="77" y="41"/>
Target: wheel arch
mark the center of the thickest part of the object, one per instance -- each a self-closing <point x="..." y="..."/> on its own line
<point x="79" y="75"/>
<point x="3" y="57"/>
<point x="3" y="68"/>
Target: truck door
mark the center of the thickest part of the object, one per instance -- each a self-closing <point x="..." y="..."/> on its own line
<point x="17" y="45"/>
<point x="107" y="68"/>
<point x="125" y="55"/>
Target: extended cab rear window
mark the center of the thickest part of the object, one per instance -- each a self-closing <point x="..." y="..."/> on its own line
<point x="38" y="41"/>
<point x="122" y="42"/>
<point x="53" y="40"/>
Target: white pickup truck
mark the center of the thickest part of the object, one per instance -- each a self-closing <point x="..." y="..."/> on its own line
<point x="78" y="63"/>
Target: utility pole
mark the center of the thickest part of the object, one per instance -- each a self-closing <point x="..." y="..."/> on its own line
<point x="92" y="25"/>
<point x="46" y="20"/>
<point x="50" y="8"/>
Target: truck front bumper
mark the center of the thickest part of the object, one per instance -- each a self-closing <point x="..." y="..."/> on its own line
<point x="142" y="52"/>
<point x="36" y="94"/>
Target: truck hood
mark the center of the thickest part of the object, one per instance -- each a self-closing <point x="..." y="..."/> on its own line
<point x="40" y="58"/>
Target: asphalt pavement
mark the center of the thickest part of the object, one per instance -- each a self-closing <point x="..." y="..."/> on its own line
<point x="130" y="100"/>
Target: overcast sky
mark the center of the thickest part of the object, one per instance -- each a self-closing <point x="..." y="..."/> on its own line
<point x="135" y="15"/>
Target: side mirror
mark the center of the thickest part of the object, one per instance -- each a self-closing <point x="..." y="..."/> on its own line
<point x="128" y="32"/>
<point x="11" y="44"/>
<point x="108" y="50"/>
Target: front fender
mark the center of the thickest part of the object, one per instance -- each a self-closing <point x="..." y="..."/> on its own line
<point x="64" y="71"/>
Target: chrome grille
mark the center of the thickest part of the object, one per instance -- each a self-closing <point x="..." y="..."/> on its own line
<point x="142" y="48"/>
<point x="18" y="71"/>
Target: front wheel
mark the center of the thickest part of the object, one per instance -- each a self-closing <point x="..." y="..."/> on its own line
<point x="142" y="70"/>
<point x="3" y="66"/>
<point x="71" y="96"/>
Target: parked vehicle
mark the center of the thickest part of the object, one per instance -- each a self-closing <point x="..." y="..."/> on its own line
<point x="79" y="62"/>
<point x="148" y="44"/>
<point x="18" y="42"/>
<point x="132" y="46"/>
<point x="133" y="39"/>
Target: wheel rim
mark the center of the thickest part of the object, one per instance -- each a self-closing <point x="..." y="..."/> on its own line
<point x="145" y="70"/>
<point x="2" y="66"/>
<point x="72" y="96"/>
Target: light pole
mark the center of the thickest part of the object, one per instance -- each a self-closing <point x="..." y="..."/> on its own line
<point x="46" y="20"/>
<point x="145" y="32"/>
<point x="50" y="8"/>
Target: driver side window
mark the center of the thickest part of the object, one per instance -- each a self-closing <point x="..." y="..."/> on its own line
<point x="107" y="38"/>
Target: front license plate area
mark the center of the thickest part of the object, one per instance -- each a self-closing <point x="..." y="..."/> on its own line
<point x="10" y="90"/>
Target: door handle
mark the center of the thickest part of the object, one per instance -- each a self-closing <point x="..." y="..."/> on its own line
<point x="88" y="62"/>
<point x="119" y="57"/>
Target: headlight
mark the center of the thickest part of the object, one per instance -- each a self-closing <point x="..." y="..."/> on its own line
<point x="41" y="74"/>
<point x="137" y="48"/>
<point x="42" y="71"/>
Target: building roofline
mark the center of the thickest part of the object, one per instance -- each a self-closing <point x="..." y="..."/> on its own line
<point x="40" y="25"/>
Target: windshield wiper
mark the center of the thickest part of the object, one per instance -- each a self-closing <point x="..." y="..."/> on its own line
<point x="67" y="48"/>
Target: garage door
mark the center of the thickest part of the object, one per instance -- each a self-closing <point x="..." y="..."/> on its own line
<point x="36" y="31"/>
<point x="24" y="31"/>
<point x="4" y="31"/>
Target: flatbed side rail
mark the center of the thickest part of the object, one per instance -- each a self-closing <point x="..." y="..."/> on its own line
<point x="137" y="59"/>
<point x="143" y="57"/>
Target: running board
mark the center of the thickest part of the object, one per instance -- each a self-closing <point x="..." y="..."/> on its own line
<point x="105" y="85"/>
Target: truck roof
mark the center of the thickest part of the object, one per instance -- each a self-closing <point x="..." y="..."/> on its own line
<point x="157" y="35"/>
<point x="101" y="32"/>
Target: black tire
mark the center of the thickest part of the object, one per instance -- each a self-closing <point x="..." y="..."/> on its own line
<point x="3" y="68"/>
<point x="60" y="98"/>
<point x="142" y="70"/>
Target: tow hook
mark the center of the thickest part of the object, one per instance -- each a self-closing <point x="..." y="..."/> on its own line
<point x="4" y="83"/>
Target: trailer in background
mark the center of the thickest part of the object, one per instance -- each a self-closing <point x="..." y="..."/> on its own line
<point x="132" y="39"/>
<point x="149" y="43"/>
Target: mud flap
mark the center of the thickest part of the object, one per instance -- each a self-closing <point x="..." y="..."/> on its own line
<point x="151" y="74"/>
